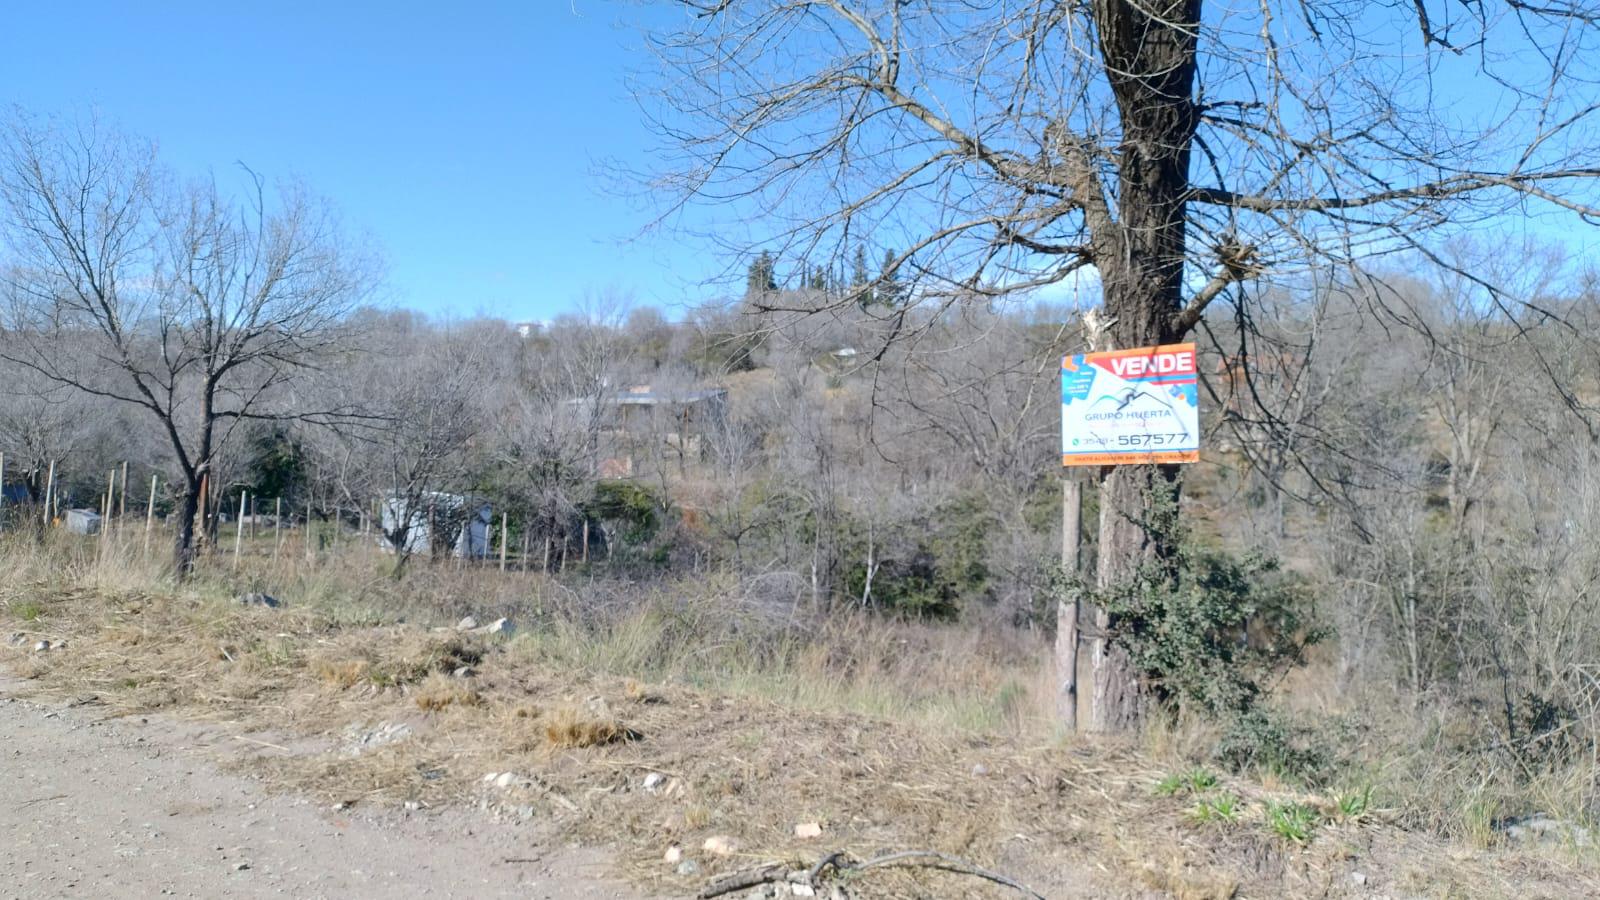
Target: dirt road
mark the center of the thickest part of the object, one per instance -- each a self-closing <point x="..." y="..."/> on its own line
<point x="98" y="807"/>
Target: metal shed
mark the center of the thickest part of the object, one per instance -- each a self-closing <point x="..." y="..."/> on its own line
<point x="468" y="517"/>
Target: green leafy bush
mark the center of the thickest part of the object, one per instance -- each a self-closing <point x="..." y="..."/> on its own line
<point x="1211" y="629"/>
<point x="1267" y="740"/>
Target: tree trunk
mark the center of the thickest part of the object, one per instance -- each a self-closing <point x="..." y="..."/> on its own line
<point x="1133" y="536"/>
<point x="1149" y="54"/>
<point x="183" y="544"/>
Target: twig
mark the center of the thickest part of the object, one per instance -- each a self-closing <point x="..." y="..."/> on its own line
<point x="27" y="803"/>
<point x="935" y="860"/>
<point x="772" y="873"/>
<point x="738" y="881"/>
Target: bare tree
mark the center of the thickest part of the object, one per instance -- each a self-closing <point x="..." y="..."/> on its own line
<point x="424" y="392"/>
<point x="202" y="310"/>
<point x="556" y="412"/>
<point x="1179" y="153"/>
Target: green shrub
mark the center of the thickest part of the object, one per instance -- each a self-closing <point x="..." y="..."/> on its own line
<point x="633" y="509"/>
<point x="1193" y="781"/>
<point x="1263" y="739"/>
<point x="1220" y="808"/>
<point x="927" y="568"/>
<point x="1291" y="821"/>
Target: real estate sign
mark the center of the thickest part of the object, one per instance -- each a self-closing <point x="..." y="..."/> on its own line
<point x="1130" y="406"/>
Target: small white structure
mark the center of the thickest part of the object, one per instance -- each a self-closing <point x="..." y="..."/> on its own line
<point x="468" y="517"/>
<point x="83" y="521"/>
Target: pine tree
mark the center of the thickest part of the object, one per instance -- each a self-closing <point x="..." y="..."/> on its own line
<point x="889" y="289"/>
<point x="762" y="276"/>
<point x="860" y="282"/>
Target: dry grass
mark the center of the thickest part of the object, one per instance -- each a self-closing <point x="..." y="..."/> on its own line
<point x="439" y="692"/>
<point x="874" y="730"/>
<point x="569" y="727"/>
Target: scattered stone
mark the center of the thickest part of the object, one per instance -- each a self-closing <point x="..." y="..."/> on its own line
<point x="1542" y="829"/>
<point x="502" y="627"/>
<point x="240" y="866"/>
<point x="808" y="830"/>
<point x="505" y="779"/>
<point x="464" y="672"/>
<point x="688" y="867"/>
<point x="1358" y="878"/>
<point x="42" y="647"/>
<point x="980" y="770"/>
<point x="674" y="855"/>
<point x="490" y="777"/>
<point x="256" y="598"/>
<point x="467" y="624"/>
<point x="654" y="781"/>
<point x="802" y="890"/>
<point x="414" y="805"/>
<point x="721" y="845"/>
<point x="343" y="805"/>
<point x="383" y="733"/>
<point x="17" y="639"/>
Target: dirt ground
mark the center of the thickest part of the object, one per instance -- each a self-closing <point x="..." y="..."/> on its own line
<point x="178" y="746"/>
<point x="131" y="807"/>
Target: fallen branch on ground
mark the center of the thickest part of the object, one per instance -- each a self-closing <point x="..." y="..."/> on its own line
<point x="774" y="873"/>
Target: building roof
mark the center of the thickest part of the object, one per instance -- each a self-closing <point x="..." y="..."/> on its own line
<point x="644" y="395"/>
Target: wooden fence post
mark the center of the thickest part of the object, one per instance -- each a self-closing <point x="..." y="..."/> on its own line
<point x="150" y="514"/>
<point x="238" y="531"/>
<point x="1067" y="609"/>
<point x="49" y="493"/>
<point x="111" y="495"/>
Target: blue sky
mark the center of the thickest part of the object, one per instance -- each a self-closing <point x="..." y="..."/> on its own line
<point x="465" y="143"/>
<point x="468" y="144"/>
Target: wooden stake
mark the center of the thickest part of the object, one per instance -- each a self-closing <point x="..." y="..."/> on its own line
<point x="49" y="493"/>
<point x="200" y="510"/>
<point x="238" y="531"/>
<point x="1067" y="610"/>
<point x="111" y="494"/>
<point x="277" y="527"/>
<point x="2" y="489"/>
<point x="586" y="542"/>
<point x="311" y="555"/>
<point x="504" y="532"/>
<point x="122" y="510"/>
<point x="150" y="514"/>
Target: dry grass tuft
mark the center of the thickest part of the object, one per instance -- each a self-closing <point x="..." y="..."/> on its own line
<point x="570" y="726"/>
<point x="638" y="691"/>
<point x="440" y="692"/>
<point x="342" y="673"/>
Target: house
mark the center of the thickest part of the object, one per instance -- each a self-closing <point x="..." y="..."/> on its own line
<point x="668" y="422"/>
<point x="464" y="522"/>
